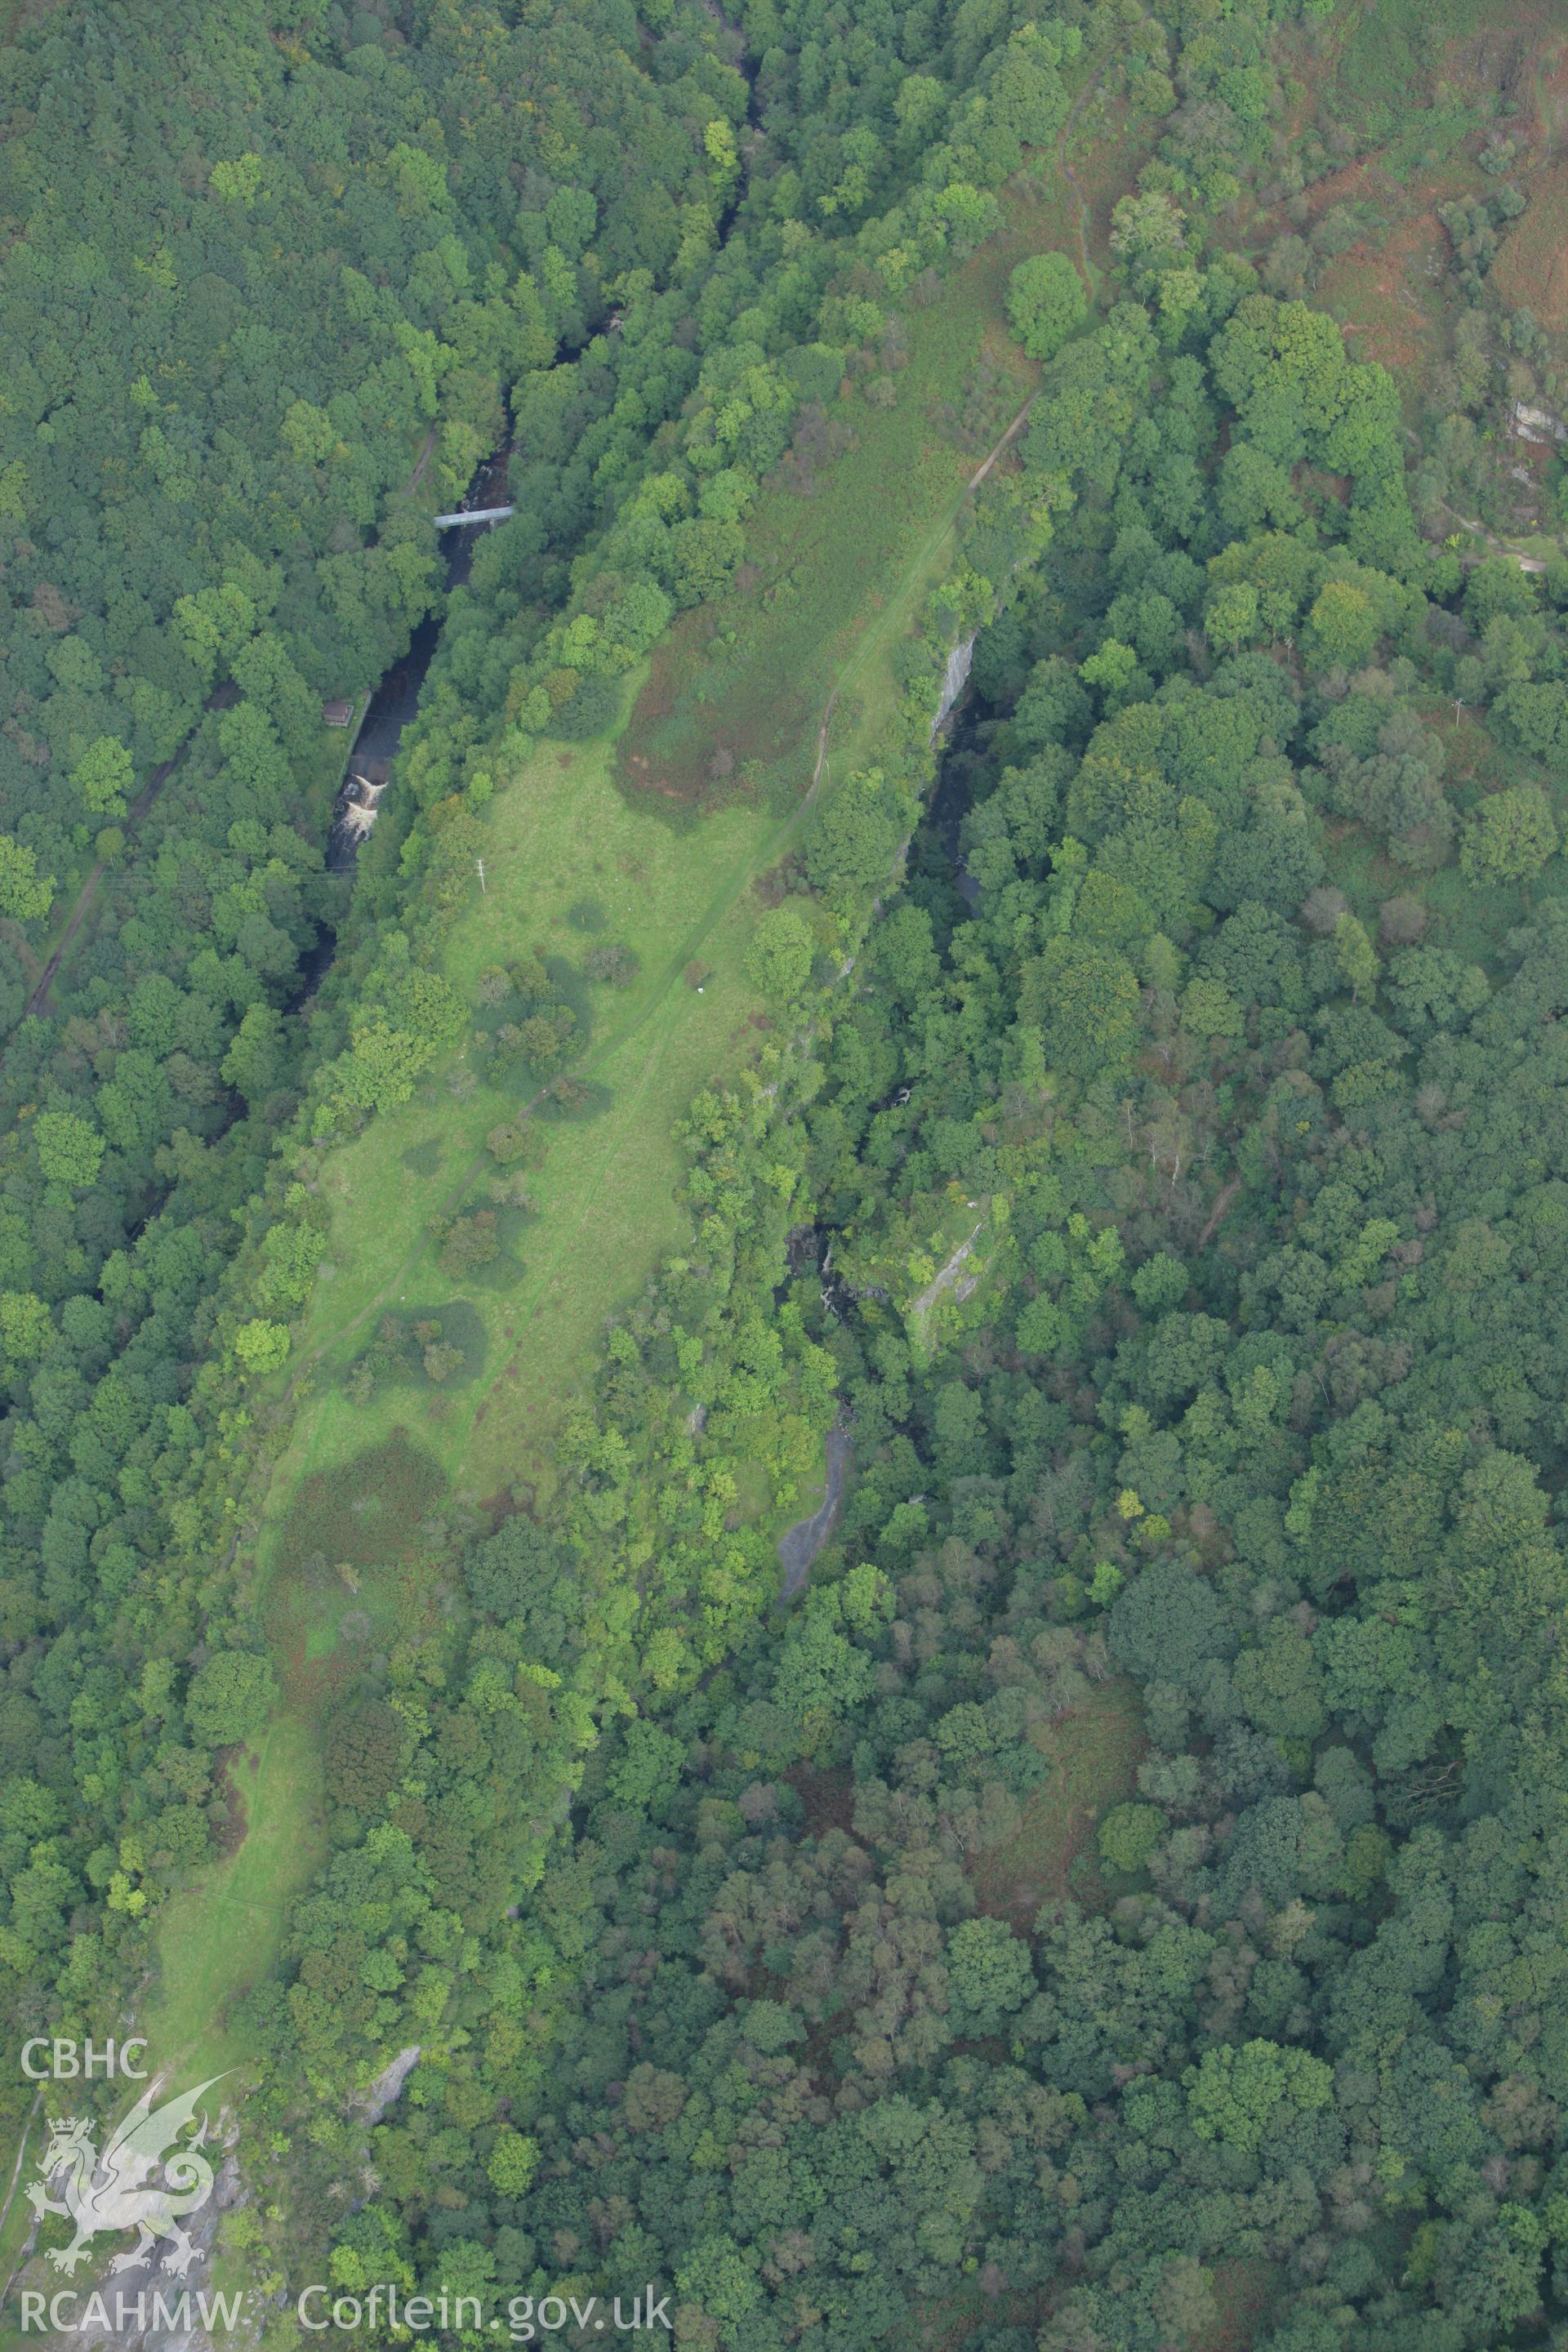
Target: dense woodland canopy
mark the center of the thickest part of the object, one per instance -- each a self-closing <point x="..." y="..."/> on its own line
<point x="353" y="242"/>
<point x="815" y="2060"/>
<point x="1181" y="1247"/>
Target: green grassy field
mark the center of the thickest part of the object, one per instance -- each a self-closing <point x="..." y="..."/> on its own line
<point x="566" y="831"/>
<point x="220" y="1936"/>
<point x="1395" y="51"/>
<point x="604" y="1204"/>
<point x="1532" y="267"/>
<point x="837" y="556"/>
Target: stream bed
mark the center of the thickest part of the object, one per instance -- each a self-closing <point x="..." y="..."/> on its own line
<point x="811" y="1249"/>
<point x="396" y="701"/>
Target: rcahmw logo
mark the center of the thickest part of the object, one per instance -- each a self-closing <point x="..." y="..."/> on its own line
<point x="66" y="2315"/>
<point x="144" y="2180"/>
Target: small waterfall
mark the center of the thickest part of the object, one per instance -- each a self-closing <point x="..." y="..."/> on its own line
<point x="355" y="813"/>
<point x="955" y="677"/>
<point x="358" y="808"/>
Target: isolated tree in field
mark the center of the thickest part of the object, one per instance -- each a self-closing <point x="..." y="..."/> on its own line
<point x="778" y="961"/>
<point x="512" y="1141"/>
<point x="545" y="1037"/>
<point x="1511" y="837"/>
<point x="1046" y="303"/>
<point x="613" y="963"/>
<point x="470" y="1243"/>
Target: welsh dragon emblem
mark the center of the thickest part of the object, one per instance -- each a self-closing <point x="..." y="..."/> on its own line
<point x="116" y="2191"/>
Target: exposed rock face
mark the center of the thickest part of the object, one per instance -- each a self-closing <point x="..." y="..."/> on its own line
<point x="1537" y="425"/>
<point x="388" y="2084"/>
<point x="799" y="1545"/>
<point x="955" y="677"/>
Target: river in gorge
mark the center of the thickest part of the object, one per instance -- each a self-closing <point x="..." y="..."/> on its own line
<point x="396" y="698"/>
<point x="934" y="851"/>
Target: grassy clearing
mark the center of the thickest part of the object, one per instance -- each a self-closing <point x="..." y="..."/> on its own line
<point x="841" y="576"/>
<point x="1549" y="88"/>
<point x="1532" y="267"/>
<point x="1106" y="145"/>
<point x="1420" y="80"/>
<point x="219" y="1938"/>
<point x="23" y="2137"/>
<point x="602" y="1201"/>
<point x="1395" y="51"/>
<point x="736" y="691"/>
<point x="1475" y="919"/>
<point x="350" y="1542"/>
<point x="1095" y="1753"/>
<point x="1390" y="296"/>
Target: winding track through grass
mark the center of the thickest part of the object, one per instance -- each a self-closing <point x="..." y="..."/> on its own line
<point x="1064" y="139"/>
